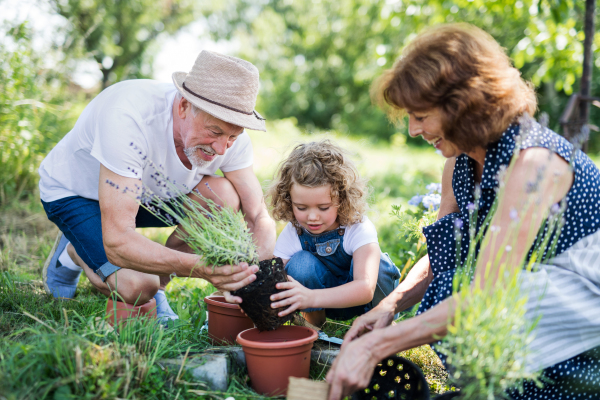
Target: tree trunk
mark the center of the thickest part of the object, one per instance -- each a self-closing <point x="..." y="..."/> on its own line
<point x="105" y="75"/>
<point x="586" y="76"/>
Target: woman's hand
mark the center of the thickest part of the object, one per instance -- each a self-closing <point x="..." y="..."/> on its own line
<point x="297" y="297"/>
<point x="352" y="368"/>
<point x="379" y="317"/>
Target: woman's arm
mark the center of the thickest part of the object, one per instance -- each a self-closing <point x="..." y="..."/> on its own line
<point x="412" y="289"/>
<point x="353" y="367"/>
<point x="538" y="180"/>
<point x="521" y="211"/>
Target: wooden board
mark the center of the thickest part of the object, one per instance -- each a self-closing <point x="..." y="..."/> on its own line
<point x="306" y="389"/>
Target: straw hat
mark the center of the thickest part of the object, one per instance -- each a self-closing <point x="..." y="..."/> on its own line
<point x="223" y="86"/>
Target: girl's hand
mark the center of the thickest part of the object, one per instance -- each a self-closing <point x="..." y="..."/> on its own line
<point x="232" y="299"/>
<point x="297" y="297"/>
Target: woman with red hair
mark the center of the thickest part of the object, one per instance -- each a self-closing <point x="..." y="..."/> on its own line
<point x="463" y="96"/>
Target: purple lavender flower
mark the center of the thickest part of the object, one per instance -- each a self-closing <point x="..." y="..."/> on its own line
<point x="471" y="207"/>
<point x="458" y="223"/>
<point x="434" y="188"/>
<point x="514" y="214"/>
<point x="416" y="200"/>
<point x="432" y="201"/>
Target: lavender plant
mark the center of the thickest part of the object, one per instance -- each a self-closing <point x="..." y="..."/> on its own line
<point x="219" y="234"/>
<point x="487" y="341"/>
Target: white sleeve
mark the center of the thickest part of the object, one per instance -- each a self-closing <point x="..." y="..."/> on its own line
<point x="287" y="243"/>
<point x="358" y="235"/>
<point x="240" y="155"/>
<point x="119" y="143"/>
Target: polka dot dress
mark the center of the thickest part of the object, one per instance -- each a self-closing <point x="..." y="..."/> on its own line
<point x="575" y="378"/>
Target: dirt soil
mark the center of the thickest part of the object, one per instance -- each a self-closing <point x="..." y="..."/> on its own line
<point x="256" y="301"/>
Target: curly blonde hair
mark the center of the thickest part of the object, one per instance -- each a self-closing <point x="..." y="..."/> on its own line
<point x="317" y="164"/>
<point x="462" y="70"/>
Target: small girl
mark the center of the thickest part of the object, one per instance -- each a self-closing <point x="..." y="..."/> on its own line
<point x="329" y="247"/>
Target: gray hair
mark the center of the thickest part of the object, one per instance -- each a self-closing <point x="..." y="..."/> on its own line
<point x="195" y="110"/>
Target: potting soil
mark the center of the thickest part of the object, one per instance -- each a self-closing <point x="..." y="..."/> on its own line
<point x="256" y="297"/>
<point x="395" y="378"/>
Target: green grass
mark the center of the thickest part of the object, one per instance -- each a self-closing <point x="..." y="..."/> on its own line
<point x="63" y="349"/>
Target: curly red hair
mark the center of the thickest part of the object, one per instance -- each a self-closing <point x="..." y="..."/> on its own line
<point x="464" y="72"/>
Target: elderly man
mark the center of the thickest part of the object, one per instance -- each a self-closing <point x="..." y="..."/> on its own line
<point x="190" y="129"/>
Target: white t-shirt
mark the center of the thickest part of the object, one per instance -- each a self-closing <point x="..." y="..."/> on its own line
<point x="356" y="236"/>
<point x="125" y="127"/>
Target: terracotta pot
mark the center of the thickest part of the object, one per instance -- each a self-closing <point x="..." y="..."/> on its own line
<point x="126" y="311"/>
<point x="273" y="356"/>
<point x="225" y="320"/>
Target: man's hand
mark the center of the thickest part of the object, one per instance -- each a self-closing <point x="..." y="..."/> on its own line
<point x="297" y="297"/>
<point x="379" y="317"/>
<point x="228" y="278"/>
<point x="352" y="368"/>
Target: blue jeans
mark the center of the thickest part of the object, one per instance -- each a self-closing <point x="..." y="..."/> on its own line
<point x="79" y="220"/>
<point x="307" y="269"/>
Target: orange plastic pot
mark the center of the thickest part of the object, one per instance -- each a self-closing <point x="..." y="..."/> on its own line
<point x="126" y="311"/>
<point x="225" y="320"/>
<point x="273" y="356"/>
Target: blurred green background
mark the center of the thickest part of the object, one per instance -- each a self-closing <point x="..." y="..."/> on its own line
<point x="317" y="59"/>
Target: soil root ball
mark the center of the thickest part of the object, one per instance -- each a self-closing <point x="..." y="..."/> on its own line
<point x="256" y="297"/>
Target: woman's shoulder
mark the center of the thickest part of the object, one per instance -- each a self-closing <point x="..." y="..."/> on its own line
<point x="534" y="135"/>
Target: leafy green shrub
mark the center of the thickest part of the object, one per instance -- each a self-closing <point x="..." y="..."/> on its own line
<point x="31" y="122"/>
<point x="410" y="244"/>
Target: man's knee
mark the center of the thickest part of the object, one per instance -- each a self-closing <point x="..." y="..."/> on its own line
<point x="134" y="287"/>
<point x="224" y="191"/>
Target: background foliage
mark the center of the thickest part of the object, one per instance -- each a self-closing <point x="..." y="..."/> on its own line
<point x="318" y="58"/>
<point x="117" y="34"/>
<point x="35" y="111"/>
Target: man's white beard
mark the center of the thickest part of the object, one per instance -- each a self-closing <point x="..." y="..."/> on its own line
<point x="196" y="160"/>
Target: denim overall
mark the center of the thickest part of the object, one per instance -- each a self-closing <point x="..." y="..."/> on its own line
<point x="324" y="264"/>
